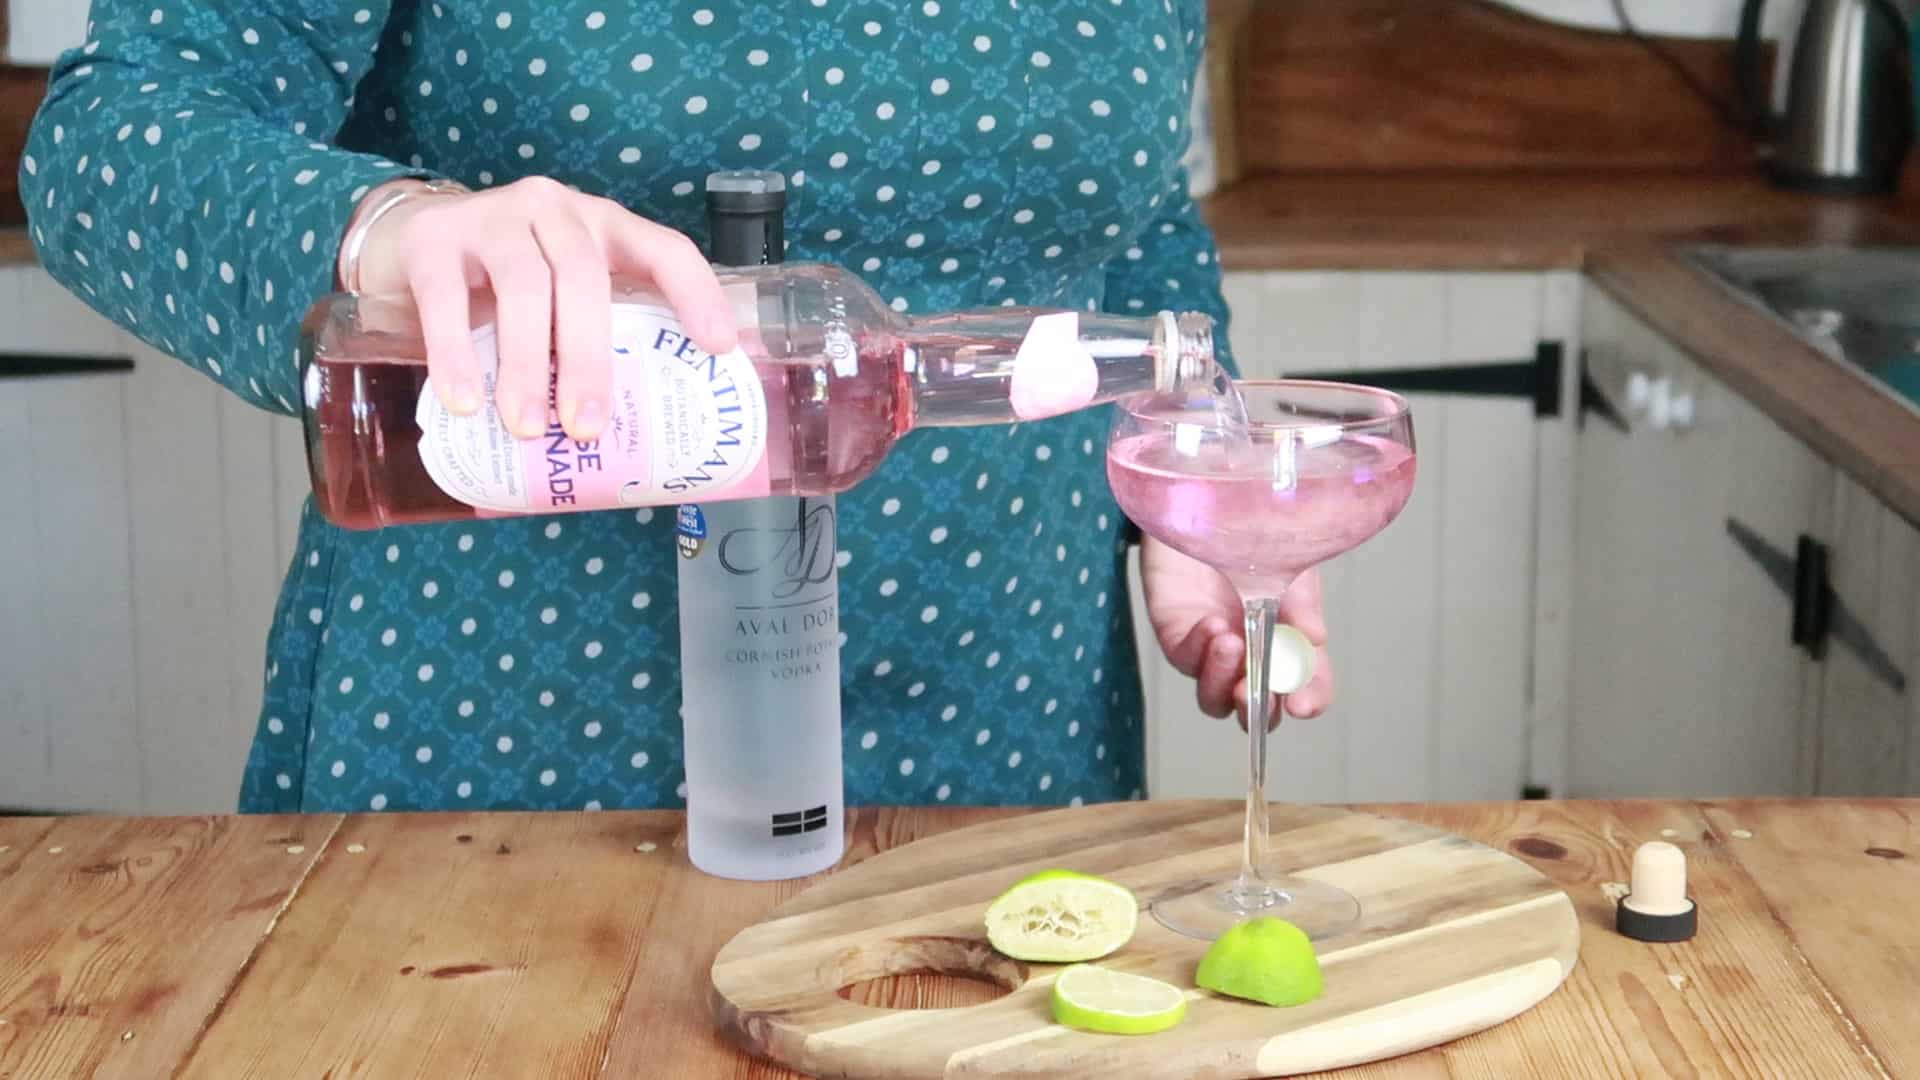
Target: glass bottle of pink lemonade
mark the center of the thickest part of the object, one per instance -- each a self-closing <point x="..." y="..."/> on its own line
<point x="825" y="380"/>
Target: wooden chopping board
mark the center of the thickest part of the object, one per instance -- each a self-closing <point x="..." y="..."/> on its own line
<point x="1454" y="937"/>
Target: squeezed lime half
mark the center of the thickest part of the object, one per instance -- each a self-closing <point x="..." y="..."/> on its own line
<point x="1062" y="916"/>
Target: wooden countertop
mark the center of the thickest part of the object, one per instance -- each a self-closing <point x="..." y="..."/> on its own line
<point x="577" y="944"/>
<point x="1520" y="221"/>
<point x="1626" y="233"/>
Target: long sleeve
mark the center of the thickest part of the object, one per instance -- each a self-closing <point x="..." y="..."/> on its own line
<point x="178" y="176"/>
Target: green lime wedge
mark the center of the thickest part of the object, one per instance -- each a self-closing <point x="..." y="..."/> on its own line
<point x="1263" y="959"/>
<point x="1290" y="660"/>
<point x="1061" y="916"/>
<point x="1114" y="1002"/>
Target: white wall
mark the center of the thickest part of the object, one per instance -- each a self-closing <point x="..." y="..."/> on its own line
<point x="1688" y="18"/>
<point x="40" y="29"/>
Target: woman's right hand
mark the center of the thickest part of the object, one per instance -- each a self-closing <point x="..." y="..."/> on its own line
<point x="547" y="251"/>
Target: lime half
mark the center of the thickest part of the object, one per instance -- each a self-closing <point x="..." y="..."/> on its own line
<point x="1062" y="916"/>
<point x="1263" y="959"/>
<point x="1095" y="999"/>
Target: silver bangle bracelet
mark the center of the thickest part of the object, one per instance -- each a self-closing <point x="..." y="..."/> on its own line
<point x="356" y="239"/>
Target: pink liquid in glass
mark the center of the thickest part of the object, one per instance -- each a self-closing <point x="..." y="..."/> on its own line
<point x="1247" y="513"/>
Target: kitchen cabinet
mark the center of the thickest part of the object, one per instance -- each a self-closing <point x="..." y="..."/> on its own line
<point x="1744" y="614"/>
<point x="1448" y="628"/>
<point x="1866" y="630"/>
<point x="149" y="518"/>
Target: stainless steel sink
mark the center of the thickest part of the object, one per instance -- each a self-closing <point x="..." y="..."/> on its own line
<point x="1859" y="305"/>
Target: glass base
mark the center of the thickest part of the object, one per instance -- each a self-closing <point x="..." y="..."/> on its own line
<point x="1207" y="909"/>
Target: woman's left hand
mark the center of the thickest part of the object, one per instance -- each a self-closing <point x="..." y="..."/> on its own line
<point x="1198" y="619"/>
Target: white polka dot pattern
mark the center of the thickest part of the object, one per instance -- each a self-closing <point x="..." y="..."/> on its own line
<point x="956" y="152"/>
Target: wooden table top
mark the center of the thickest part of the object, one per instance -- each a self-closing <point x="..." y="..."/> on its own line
<point x="577" y="944"/>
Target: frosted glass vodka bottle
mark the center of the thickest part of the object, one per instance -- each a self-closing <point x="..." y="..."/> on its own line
<point x="759" y="636"/>
<point x="687" y="425"/>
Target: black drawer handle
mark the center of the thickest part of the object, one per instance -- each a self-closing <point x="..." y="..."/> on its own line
<point x="1819" y="614"/>
<point x="41" y="365"/>
<point x="1812" y="597"/>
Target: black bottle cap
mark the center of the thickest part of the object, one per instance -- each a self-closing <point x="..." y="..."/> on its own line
<point x="746" y="214"/>
<point x="1656" y="928"/>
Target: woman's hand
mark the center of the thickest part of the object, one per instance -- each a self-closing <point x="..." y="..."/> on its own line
<point x="1197" y="616"/>
<point x="547" y="252"/>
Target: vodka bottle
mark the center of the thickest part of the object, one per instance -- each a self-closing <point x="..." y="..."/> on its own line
<point x="759" y="637"/>
<point x="825" y="380"/>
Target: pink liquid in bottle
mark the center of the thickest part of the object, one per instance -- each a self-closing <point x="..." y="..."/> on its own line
<point x="826" y="382"/>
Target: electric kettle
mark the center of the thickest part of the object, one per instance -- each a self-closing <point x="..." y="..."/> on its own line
<point x="1849" y="114"/>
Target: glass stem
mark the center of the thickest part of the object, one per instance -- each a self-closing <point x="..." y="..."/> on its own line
<point x="1253" y="888"/>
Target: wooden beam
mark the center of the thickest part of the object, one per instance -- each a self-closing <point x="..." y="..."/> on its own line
<point x="1411" y="85"/>
<point x="21" y="89"/>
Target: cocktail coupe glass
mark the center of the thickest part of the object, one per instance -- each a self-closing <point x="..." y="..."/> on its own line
<point x="1316" y="469"/>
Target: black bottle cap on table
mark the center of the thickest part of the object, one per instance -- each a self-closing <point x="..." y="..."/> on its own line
<point x="1656" y="928"/>
<point x="746" y="214"/>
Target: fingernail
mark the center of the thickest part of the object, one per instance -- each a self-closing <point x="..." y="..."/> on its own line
<point x="587" y="414"/>
<point x="465" y="395"/>
<point x="533" y="417"/>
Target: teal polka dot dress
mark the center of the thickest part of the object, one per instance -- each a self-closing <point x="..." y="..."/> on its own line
<point x="196" y="163"/>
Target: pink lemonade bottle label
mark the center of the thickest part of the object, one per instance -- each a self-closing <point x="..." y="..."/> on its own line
<point x="683" y="424"/>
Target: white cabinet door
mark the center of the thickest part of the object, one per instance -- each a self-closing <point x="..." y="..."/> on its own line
<point x="140" y="555"/>
<point x="1869" y="709"/>
<point x="1685" y="678"/>
<point x="68" y="732"/>
<point x="1433" y="621"/>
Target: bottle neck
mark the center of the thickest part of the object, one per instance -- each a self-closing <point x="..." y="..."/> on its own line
<point x="1010" y="365"/>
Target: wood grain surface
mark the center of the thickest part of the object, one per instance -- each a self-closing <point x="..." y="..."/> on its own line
<point x="21" y="89"/>
<point x="1520" y="219"/>
<point x="1434" y="85"/>
<point x="598" y="936"/>
<point x="1862" y="858"/>
<point x="121" y="938"/>
<point x="1454" y="937"/>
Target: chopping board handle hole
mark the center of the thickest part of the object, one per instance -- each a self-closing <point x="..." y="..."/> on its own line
<point x="926" y="973"/>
